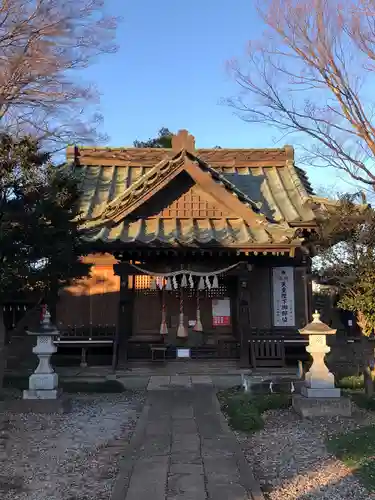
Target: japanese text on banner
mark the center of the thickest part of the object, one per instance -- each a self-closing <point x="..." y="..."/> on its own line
<point x="283" y="296"/>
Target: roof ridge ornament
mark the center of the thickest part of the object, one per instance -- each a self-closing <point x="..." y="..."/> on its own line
<point x="183" y="140"/>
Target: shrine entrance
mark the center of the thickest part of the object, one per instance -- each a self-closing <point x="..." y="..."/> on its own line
<point x="191" y="314"/>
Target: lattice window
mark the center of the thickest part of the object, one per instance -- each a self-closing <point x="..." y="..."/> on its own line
<point x="142" y="281"/>
<point x="142" y="285"/>
<point x="194" y="204"/>
<point x="222" y="291"/>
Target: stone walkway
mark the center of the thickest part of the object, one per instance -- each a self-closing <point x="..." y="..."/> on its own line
<point x="182" y="448"/>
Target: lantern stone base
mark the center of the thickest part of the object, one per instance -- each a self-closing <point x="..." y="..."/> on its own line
<point x="320" y="392"/>
<point x="41" y="394"/>
<point x="43" y="382"/>
<point x="309" y="407"/>
<point x="42" y="386"/>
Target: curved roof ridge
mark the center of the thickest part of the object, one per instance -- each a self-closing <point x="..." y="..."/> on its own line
<point x="227" y="184"/>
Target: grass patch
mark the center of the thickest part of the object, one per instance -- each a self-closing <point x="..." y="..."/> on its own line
<point x="272" y="402"/>
<point x="357" y="450"/>
<point x="363" y="401"/>
<point x="71" y="386"/>
<point x="244" y="411"/>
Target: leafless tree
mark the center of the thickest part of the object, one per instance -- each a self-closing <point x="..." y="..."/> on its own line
<point x="311" y="72"/>
<point x="44" y="45"/>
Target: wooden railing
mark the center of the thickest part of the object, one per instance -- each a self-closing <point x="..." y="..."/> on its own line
<point x="221" y="350"/>
<point x="286" y="333"/>
<point x="267" y="352"/>
<point x="87" y="332"/>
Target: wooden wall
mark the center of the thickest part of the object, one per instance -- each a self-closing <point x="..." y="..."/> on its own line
<point x="149" y="323"/>
<point x="261" y="298"/>
<point x="93" y="300"/>
<point x="96" y="300"/>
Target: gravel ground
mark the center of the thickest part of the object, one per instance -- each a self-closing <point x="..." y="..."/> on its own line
<point x="66" y="457"/>
<point x="291" y="462"/>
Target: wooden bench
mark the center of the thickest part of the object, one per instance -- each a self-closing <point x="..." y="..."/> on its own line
<point x="267" y="352"/>
<point x="84" y="345"/>
<point x="158" y="348"/>
<point x="85" y="338"/>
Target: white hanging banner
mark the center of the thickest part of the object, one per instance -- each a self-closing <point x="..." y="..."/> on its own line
<point x="283" y="296"/>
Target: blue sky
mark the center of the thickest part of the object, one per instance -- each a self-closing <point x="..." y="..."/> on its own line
<point x="170" y="71"/>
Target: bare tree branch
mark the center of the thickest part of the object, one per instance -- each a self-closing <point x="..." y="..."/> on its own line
<point x="44" y="45"/>
<point x="310" y="73"/>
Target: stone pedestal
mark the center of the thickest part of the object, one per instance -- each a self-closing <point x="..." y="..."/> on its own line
<point x="319" y="396"/>
<point x="309" y="407"/>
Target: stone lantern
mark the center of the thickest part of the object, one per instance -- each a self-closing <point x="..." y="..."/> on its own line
<point x="43" y="383"/>
<point x="319" y="381"/>
<point x="319" y="396"/>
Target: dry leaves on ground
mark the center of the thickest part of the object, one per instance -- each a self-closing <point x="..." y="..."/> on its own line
<point x="67" y="457"/>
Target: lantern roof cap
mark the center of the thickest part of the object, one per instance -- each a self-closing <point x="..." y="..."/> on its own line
<point x="317" y="327"/>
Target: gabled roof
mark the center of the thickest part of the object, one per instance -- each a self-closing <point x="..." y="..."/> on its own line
<point x="214" y="183"/>
<point x="265" y="197"/>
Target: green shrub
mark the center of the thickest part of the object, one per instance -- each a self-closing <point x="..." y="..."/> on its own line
<point x="272" y="402"/>
<point x="353" y="382"/>
<point x="246" y="419"/>
<point x="244" y="411"/>
<point x="238" y="401"/>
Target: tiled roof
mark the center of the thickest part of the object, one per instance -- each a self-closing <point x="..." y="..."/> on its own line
<point x="277" y="197"/>
<point x="139" y="188"/>
<point x="167" y="232"/>
<point x="145" y="158"/>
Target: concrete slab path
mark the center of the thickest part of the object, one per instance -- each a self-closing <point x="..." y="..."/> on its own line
<point x="183" y="449"/>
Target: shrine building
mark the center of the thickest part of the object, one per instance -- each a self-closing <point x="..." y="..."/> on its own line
<point x="200" y="253"/>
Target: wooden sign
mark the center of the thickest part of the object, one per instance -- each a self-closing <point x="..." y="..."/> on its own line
<point x="283" y="296"/>
<point x="221" y="312"/>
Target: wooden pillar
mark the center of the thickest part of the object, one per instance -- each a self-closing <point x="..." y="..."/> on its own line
<point x="125" y="316"/>
<point x="307" y="288"/>
<point x="243" y="315"/>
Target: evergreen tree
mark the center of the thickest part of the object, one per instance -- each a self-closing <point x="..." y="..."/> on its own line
<point x="40" y="240"/>
<point x="346" y="259"/>
<point x="163" y="140"/>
